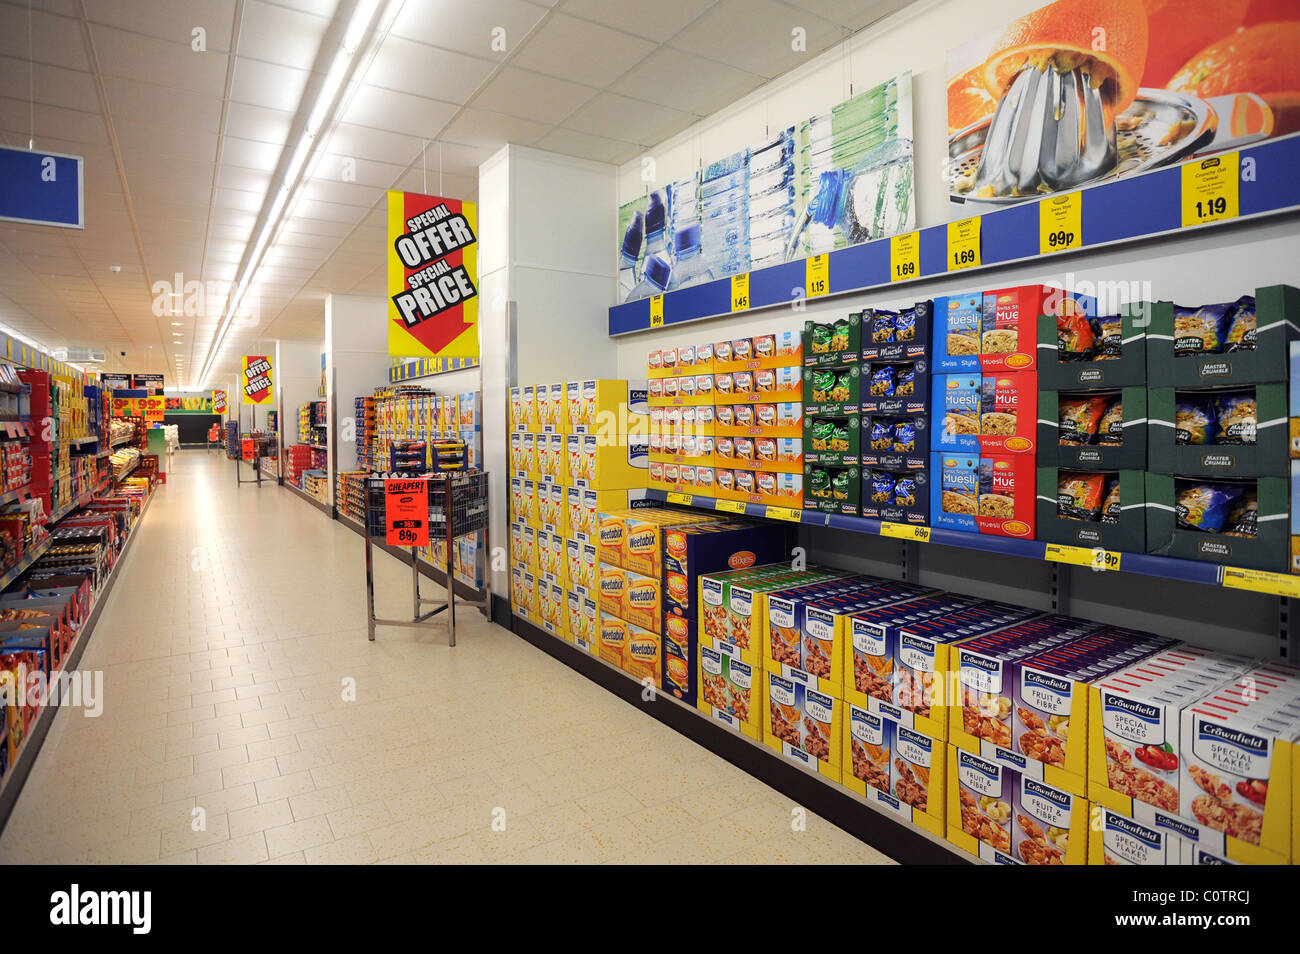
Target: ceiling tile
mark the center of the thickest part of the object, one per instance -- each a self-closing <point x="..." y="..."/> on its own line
<point x="50" y="84"/>
<point x="168" y="19"/>
<point x="517" y="92"/>
<point x="851" y="14"/>
<point x="390" y="110"/>
<point x="361" y="143"/>
<point x="687" y="82"/>
<point x="655" y="21"/>
<point x="756" y="36"/>
<point x="262" y="156"/>
<point x="174" y="111"/>
<point x="569" y="142"/>
<point x="474" y="22"/>
<point x="631" y="120"/>
<point x="161" y="62"/>
<point x="280" y="35"/>
<point x="266" y="84"/>
<point x="477" y="127"/>
<point x="55" y="40"/>
<point x="160" y="140"/>
<point x="582" y="52"/>
<point x="410" y="67"/>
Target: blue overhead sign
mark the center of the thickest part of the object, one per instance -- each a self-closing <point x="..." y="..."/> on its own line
<point x="41" y="188"/>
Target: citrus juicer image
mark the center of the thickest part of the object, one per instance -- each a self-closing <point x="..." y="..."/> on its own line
<point x="1060" y="101"/>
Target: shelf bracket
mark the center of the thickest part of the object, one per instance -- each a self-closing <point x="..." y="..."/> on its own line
<point x="909" y="560"/>
<point x="1286" y="649"/>
<point x="1061" y="588"/>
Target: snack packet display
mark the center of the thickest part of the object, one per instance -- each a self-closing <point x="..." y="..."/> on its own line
<point x="1237" y="417"/>
<point x="1080" y="496"/>
<point x="1206" y="506"/>
<point x="1080" y="420"/>
<point x="1200" y="330"/>
<point x="1194" y="420"/>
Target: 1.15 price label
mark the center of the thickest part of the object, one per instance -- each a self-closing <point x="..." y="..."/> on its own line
<point x="904" y="256"/>
<point x="1211" y="189"/>
<point x="964" y="244"/>
<point x="817" y="275"/>
<point x="1060" y="223"/>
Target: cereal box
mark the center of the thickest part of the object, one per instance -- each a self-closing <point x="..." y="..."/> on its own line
<point x="732" y="610"/>
<point x="956" y="345"/>
<point x="895" y="768"/>
<point x="641" y="654"/>
<point x="1000" y="814"/>
<point x="899" y="659"/>
<point x="643" y="602"/>
<point x="586" y="637"/>
<point x="611" y="642"/>
<point x="986" y="414"/>
<point x="1009" y="323"/>
<point x="613" y="590"/>
<point x="730" y="691"/>
<point x="803" y="724"/>
<point x="616" y="406"/>
<point x="1120" y="840"/>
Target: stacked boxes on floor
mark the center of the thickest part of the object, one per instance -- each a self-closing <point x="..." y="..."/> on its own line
<point x="984" y="395"/>
<point x="895" y="420"/>
<point x="298" y="460"/>
<point x="1192" y="758"/>
<point x="575" y="449"/>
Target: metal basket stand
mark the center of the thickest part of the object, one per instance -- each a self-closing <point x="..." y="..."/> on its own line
<point x="458" y="505"/>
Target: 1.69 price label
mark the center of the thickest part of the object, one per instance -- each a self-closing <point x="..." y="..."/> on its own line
<point x="904" y="256"/>
<point x="964" y="244"/>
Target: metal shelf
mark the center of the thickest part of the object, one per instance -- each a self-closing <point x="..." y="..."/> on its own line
<point x="9" y="496"/>
<point x="1145" y="564"/>
<point x="1128" y="210"/>
<point x="15" y="571"/>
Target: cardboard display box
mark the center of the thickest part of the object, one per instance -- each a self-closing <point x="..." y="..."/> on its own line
<point x="1113" y="438"/>
<point x="895" y="768"/>
<point x="1110" y="353"/>
<point x="803" y="724"/>
<point x="900" y="387"/>
<point x="985" y="414"/>
<point x="896" y="496"/>
<point x="994" y="495"/>
<point x="835" y="342"/>
<point x="731" y="692"/>
<point x="895" y="443"/>
<point x="832" y="489"/>
<point x="1257" y="447"/>
<point x="1276" y="311"/>
<point x="897" y="335"/>
<point x="833" y="390"/>
<point x="1266" y="550"/>
<point x="832" y="441"/>
<point x="1121" y="526"/>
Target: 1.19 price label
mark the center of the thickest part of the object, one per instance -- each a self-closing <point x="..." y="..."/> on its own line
<point x="1211" y="189"/>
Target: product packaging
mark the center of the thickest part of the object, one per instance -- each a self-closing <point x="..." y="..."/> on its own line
<point x="895" y="768"/>
<point x="1103" y="510"/>
<point x="1230" y="343"/>
<point x="1237" y="522"/>
<point x="1093" y="430"/>
<point x="803" y="724"/>
<point x="1224" y="432"/>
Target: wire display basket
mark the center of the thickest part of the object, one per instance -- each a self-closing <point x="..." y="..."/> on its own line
<point x="459" y="499"/>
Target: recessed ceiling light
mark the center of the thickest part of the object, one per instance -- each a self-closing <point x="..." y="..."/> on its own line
<point x="177" y="323"/>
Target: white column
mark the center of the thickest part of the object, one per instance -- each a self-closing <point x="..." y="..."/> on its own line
<point x="356" y="362"/>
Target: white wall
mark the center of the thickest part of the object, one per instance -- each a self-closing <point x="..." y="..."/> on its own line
<point x="297" y="371"/>
<point x="356" y="362"/>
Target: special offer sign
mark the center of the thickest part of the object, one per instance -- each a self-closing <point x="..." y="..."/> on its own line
<point x="257" y="379"/>
<point x="432" y="277"/>
<point x="218" y="402"/>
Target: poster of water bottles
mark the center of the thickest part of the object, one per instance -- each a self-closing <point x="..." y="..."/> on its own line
<point x="833" y="180"/>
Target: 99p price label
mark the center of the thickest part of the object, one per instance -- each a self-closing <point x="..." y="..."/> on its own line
<point x="1060" y="223"/>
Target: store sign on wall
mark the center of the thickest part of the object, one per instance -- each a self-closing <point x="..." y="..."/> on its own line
<point x="153" y="383"/>
<point x="115" y="382"/>
<point x="218" y="402"/>
<point x="406" y="513"/>
<point x="257" y="379"/>
<point x="432" y="277"/>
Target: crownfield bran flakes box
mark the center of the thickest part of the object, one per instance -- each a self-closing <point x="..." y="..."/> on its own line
<point x="803" y="724"/>
<point x="895" y="768"/>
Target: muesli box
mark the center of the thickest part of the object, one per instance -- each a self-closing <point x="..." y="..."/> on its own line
<point x="803" y="724"/>
<point x="1003" y="815"/>
<point x="731" y="692"/>
<point x="895" y="768"/>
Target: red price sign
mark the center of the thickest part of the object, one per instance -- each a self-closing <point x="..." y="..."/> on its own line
<point x="154" y="407"/>
<point x="406" y="510"/>
<point x="246" y="446"/>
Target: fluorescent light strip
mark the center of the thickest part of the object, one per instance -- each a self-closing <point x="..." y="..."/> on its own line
<point x="355" y="32"/>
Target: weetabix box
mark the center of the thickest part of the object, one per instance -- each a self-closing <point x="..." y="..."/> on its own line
<point x="613" y="589"/>
<point x="1001" y="815"/>
<point x="895" y="768"/>
<point x="643" y="602"/>
<point x="641" y="654"/>
<point x="611" y="642"/>
<point x="803" y="724"/>
<point x="731" y="692"/>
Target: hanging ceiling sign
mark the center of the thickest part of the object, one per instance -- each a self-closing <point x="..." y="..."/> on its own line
<point x="153" y="383"/>
<point x="41" y="188"/>
<point x="218" y="402"/>
<point x="115" y="382"/>
<point x="257" y="379"/>
<point x="432" y="277"/>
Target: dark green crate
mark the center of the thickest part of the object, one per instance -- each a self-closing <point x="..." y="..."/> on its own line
<point x="1267" y="550"/>
<point x="1128" y="535"/>
<point x="1269" y="456"/>
<point x="1131" y="455"/>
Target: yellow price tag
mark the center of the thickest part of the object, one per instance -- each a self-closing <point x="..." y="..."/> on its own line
<point x="964" y="244"/>
<point x="1060" y="223"/>
<point x="1211" y="189"/>
<point x="729" y="506"/>
<point x="656" y="311"/>
<point x="740" y="292"/>
<point x="904" y="256"/>
<point x="905" y="531"/>
<point x="1262" y="581"/>
<point x="676" y="498"/>
<point x="1094" y="558"/>
<point x="817" y="275"/>
<point x="783" y="513"/>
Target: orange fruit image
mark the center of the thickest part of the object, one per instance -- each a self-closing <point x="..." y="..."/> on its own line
<point x="1107" y="36"/>
<point x="1270" y="11"/>
<point x="1178" y="28"/>
<point x="968" y="99"/>
<point x="1260" y="60"/>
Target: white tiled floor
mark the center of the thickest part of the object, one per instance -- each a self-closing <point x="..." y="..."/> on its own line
<point x="225" y="645"/>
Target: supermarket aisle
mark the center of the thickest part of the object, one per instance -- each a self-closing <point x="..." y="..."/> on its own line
<point x="225" y="646"/>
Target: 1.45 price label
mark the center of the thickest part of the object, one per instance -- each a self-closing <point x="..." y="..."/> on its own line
<point x="904" y="256"/>
<point x="964" y="244"/>
<point x="1211" y="189"/>
<point x="1060" y="223"/>
<point x="740" y="292"/>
